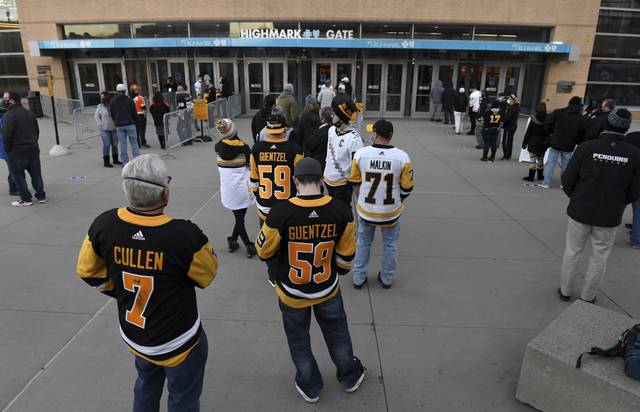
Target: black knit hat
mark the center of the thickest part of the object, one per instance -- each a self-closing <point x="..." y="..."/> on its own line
<point x="343" y="107"/>
<point x="619" y="121"/>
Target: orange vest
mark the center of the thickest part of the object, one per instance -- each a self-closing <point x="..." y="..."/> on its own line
<point x="140" y="106"/>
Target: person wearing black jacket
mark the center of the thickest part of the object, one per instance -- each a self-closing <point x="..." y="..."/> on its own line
<point x="316" y="146"/>
<point x="259" y="120"/>
<point x="309" y="122"/>
<point x="566" y="127"/>
<point x="159" y="107"/>
<point x="510" y="125"/>
<point x="597" y="120"/>
<point x="634" y="238"/>
<point x="123" y="112"/>
<point x="602" y="178"/>
<point x="491" y="120"/>
<point x="460" y="104"/>
<point x="534" y="141"/>
<point x="448" y="101"/>
<point x="21" y="134"/>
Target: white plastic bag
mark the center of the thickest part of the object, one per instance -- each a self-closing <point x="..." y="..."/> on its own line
<point x="524" y="156"/>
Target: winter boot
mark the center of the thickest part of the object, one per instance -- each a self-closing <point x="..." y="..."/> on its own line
<point x="106" y="161"/>
<point x="251" y="250"/>
<point x="532" y="173"/>
<point x="540" y="174"/>
<point x="114" y="155"/>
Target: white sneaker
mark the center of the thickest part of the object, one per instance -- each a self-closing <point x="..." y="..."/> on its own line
<point x="544" y="186"/>
<point x="19" y="203"/>
<point x="304" y="395"/>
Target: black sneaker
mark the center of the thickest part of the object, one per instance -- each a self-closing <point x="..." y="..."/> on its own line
<point x="251" y="251"/>
<point x="18" y="194"/>
<point x="479" y="147"/>
<point x="305" y="396"/>
<point x="563" y="298"/>
<point x="627" y="225"/>
<point x="233" y="245"/>
<point x="384" y="285"/>
<point x="484" y="159"/>
<point x="360" y="285"/>
<point x="360" y="379"/>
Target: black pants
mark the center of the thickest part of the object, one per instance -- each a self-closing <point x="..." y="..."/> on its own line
<point x="341" y="192"/>
<point x="472" y="118"/>
<point x="141" y="129"/>
<point x="239" y="229"/>
<point x="507" y="142"/>
<point x="490" y="138"/>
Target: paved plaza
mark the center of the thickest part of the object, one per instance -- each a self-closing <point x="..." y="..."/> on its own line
<point x="479" y="266"/>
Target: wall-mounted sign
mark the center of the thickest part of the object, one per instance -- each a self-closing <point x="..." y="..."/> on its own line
<point x="295" y="34"/>
<point x="565" y="86"/>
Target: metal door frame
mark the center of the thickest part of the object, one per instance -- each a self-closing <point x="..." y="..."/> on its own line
<point x="434" y="76"/>
<point x="383" y="87"/>
<point x="265" y="77"/>
<point x="100" y="71"/>
<point x="334" y="71"/>
<point x="186" y="70"/>
<point x="503" y="75"/>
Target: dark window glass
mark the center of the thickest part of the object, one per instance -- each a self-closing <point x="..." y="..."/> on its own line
<point x="614" y="71"/>
<point x="625" y="22"/>
<point x="97" y="31"/>
<point x="386" y="31"/>
<point x="623" y="4"/>
<point x="235" y="29"/>
<point x="153" y="30"/>
<point x="19" y="85"/>
<point x="624" y="95"/>
<point x="444" y="32"/>
<point x="12" y="65"/>
<point x="616" y="46"/>
<point x="10" y="42"/>
<point x="212" y="29"/>
<point x="331" y="30"/>
<point x="506" y="33"/>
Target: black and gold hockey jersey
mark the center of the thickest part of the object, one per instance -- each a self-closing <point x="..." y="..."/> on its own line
<point x="150" y="265"/>
<point x="310" y="239"/>
<point x="272" y="164"/>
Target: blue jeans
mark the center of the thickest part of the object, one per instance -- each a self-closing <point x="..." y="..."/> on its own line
<point x="448" y="116"/>
<point x="184" y="382"/>
<point x="130" y="132"/>
<point x="390" y="236"/>
<point x="635" y="232"/>
<point x="479" y="138"/>
<point x="109" y="140"/>
<point x="30" y="162"/>
<point x="551" y="164"/>
<point x="12" y="185"/>
<point x="332" y="320"/>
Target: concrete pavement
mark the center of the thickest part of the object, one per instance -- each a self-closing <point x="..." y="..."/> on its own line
<point x="479" y="266"/>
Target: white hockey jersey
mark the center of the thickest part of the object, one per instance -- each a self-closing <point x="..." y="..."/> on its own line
<point x="341" y="146"/>
<point x="385" y="176"/>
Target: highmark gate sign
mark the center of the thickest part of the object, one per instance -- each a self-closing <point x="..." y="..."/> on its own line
<point x="295" y="34"/>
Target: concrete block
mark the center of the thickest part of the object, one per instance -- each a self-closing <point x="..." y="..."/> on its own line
<point x="549" y="380"/>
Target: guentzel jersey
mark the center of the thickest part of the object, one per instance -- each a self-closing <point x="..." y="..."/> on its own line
<point x="272" y="162"/>
<point x="312" y="239"/>
<point x="150" y="265"/>
<point x="385" y="176"/>
<point x="341" y="145"/>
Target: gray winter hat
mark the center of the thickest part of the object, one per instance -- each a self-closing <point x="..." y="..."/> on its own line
<point x="619" y="120"/>
<point x="308" y="167"/>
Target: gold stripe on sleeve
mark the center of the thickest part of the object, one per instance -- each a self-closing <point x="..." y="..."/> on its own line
<point x="204" y="266"/>
<point x="90" y="265"/>
<point x="268" y="242"/>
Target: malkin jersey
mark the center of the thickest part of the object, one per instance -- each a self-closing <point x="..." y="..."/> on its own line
<point x="272" y="163"/>
<point x="311" y="240"/>
<point x="341" y="145"/>
<point x="150" y="265"/>
<point x="385" y="176"/>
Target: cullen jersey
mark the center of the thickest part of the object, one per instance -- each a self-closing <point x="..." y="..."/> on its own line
<point x="341" y="145"/>
<point x="272" y="162"/>
<point x="385" y="176"/>
<point x="150" y="265"/>
<point x="312" y="240"/>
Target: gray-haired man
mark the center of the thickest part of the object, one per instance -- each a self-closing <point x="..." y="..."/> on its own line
<point x="289" y="104"/>
<point x="131" y="254"/>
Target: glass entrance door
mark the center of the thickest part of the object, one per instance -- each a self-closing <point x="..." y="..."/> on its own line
<point x="178" y="70"/>
<point x="422" y="89"/>
<point x="384" y="89"/>
<point x="322" y="74"/>
<point x="333" y="71"/>
<point x="256" y="87"/>
<point x="470" y="75"/>
<point x="491" y="81"/>
<point x="89" y="83"/>
<point x="275" y="74"/>
<point x="512" y="84"/>
<point x="263" y="78"/>
<point x="111" y="76"/>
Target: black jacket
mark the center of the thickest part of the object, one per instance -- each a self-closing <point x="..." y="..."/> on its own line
<point x="158" y="112"/>
<point x="511" y="116"/>
<point x="448" y="98"/>
<point x="602" y="177"/>
<point x="633" y="138"/>
<point x="594" y="125"/>
<point x="461" y="103"/>
<point x="123" y="110"/>
<point x="259" y="122"/>
<point x="309" y="122"/>
<point x="536" y="136"/>
<point x="566" y="127"/>
<point x="316" y="146"/>
<point x="20" y="131"/>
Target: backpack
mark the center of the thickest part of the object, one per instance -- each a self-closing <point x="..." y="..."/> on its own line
<point x="628" y="347"/>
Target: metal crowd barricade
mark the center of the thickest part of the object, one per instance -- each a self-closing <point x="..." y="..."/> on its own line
<point x="64" y="107"/>
<point x="178" y="129"/>
<point x="85" y="125"/>
<point x="217" y="109"/>
<point x="234" y="106"/>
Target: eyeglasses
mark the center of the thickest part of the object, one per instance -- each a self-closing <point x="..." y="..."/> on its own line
<point x="148" y="182"/>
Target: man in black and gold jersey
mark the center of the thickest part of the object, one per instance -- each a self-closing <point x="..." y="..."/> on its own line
<point x="310" y="240"/>
<point x="150" y="263"/>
